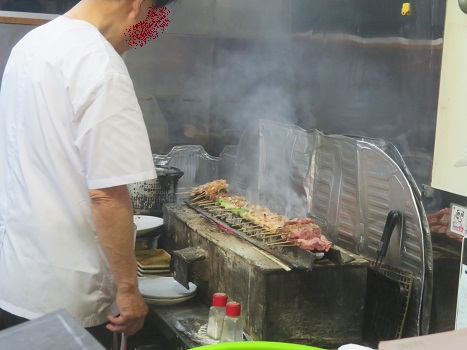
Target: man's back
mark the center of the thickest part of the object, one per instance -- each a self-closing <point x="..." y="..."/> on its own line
<point x="67" y="105"/>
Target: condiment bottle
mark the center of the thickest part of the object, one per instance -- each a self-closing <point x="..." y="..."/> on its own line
<point x="232" y="329"/>
<point x="216" y="315"/>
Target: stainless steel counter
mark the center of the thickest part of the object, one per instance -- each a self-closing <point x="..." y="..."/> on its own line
<point x="179" y="323"/>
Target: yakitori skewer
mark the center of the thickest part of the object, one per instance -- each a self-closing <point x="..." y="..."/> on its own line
<point x="248" y="232"/>
<point x="206" y="202"/>
<point x="263" y="232"/>
<point x="274" y="234"/>
<point x="255" y="220"/>
<point x="276" y="242"/>
<point x="258" y="234"/>
<point x="266" y="233"/>
<point x="186" y="192"/>
<point x="236" y="219"/>
<point x="215" y="208"/>
<point x="202" y="201"/>
<point x="211" y="189"/>
<point x="212" y="207"/>
<point x="248" y="229"/>
<point x="286" y="244"/>
<point x="199" y="195"/>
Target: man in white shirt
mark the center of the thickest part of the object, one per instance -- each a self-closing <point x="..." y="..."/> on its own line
<point x="72" y="137"/>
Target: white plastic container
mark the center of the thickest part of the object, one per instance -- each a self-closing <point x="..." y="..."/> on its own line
<point x="216" y="315"/>
<point x="232" y="328"/>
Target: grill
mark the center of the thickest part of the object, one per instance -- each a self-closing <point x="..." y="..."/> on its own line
<point x="268" y="241"/>
<point x="306" y="305"/>
<point x="350" y="183"/>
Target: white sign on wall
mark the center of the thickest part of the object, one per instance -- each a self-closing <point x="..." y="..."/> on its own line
<point x="461" y="311"/>
<point x="450" y="157"/>
<point x="458" y="219"/>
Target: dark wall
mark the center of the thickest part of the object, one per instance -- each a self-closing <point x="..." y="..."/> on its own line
<point x="343" y="66"/>
<point x="37" y="6"/>
<point x="352" y="67"/>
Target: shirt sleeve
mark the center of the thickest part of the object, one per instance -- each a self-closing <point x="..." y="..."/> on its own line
<point x="111" y="135"/>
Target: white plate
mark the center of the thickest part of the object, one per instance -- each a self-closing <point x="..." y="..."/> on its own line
<point x="170" y="299"/>
<point x="156" y="301"/>
<point x="155" y="274"/>
<point x="146" y="223"/>
<point x="164" y="288"/>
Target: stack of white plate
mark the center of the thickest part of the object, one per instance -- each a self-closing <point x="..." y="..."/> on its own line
<point x="153" y="262"/>
<point x="146" y="223"/>
<point x="147" y="272"/>
<point x="164" y="290"/>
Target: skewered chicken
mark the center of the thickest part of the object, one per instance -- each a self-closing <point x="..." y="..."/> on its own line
<point x="210" y="190"/>
<point x="263" y="217"/>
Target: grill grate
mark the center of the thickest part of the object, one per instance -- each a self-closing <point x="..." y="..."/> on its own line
<point x="388" y="296"/>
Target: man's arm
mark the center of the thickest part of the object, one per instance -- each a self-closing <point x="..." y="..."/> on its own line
<point x="113" y="215"/>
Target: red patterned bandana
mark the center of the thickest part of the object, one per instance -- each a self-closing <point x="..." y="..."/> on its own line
<point x="154" y="24"/>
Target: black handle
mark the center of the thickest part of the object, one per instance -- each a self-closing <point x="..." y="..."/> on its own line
<point x="394" y="217"/>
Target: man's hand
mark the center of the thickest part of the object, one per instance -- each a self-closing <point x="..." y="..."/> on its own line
<point x="113" y="214"/>
<point x="133" y="311"/>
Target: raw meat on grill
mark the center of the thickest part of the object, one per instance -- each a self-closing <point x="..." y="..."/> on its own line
<point x="440" y="224"/>
<point x="299" y="221"/>
<point x="320" y="244"/>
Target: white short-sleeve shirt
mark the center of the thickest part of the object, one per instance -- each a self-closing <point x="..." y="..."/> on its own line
<point x="70" y="122"/>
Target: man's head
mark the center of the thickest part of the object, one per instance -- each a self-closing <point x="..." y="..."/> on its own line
<point x="124" y="23"/>
<point x="157" y="18"/>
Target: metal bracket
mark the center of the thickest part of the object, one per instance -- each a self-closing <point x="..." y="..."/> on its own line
<point x="190" y="265"/>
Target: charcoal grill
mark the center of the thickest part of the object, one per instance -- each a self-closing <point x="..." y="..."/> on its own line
<point x="304" y="305"/>
<point x="351" y="183"/>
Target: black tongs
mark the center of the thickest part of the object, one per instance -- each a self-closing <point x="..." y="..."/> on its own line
<point x="394" y="217"/>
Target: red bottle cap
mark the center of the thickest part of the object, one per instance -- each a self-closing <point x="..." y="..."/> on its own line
<point x="233" y="308"/>
<point x="219" y="299"/>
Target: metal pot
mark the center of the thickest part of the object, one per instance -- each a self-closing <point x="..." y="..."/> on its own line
<point x="149" y="196"/>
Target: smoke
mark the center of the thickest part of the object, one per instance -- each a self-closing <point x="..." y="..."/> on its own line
<point x="307" y="64"/>
<point x="273" y="167"/>
<point x="252" y="84"/>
